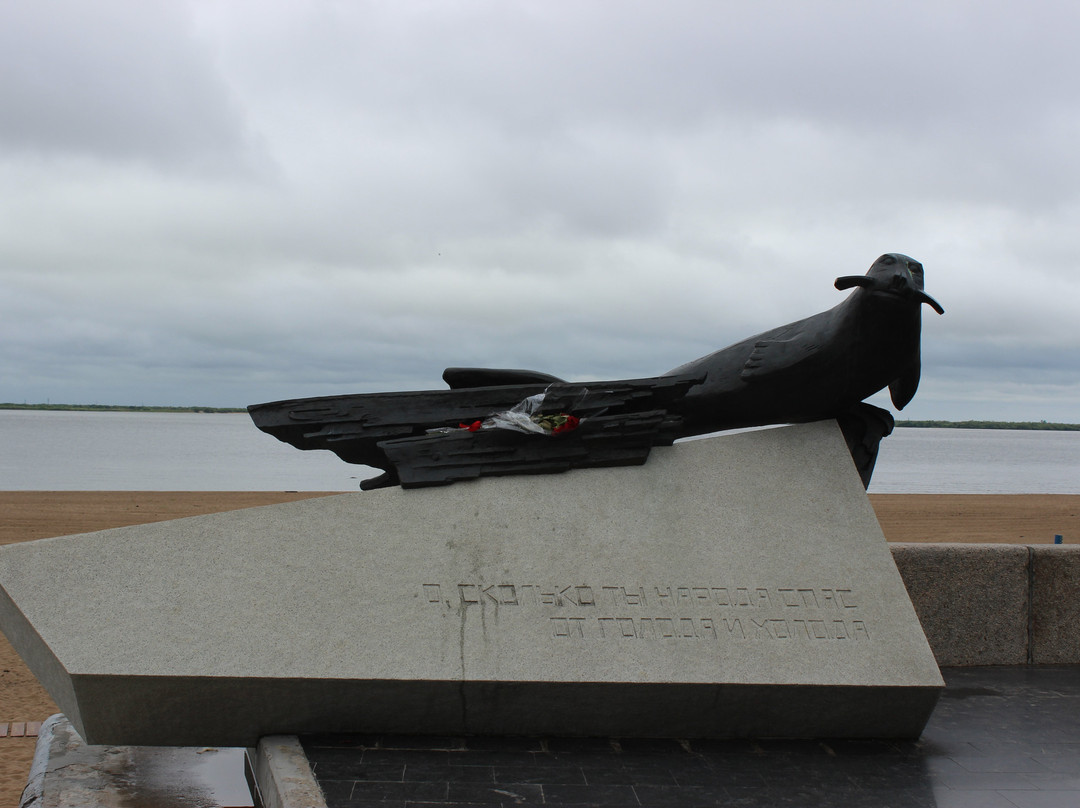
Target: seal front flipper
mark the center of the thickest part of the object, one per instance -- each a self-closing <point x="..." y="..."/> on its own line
<point x="459" y="378"/>
<point x="902" y="388"/>
<point x="771" y="356"/>
<point x="864" y="426"/>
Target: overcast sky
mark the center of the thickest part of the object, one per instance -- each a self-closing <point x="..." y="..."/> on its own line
<point x="228" y="203"/>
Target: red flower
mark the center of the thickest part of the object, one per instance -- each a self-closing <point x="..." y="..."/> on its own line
<point x="570" y="423"/>
<point x="473" y="427"/>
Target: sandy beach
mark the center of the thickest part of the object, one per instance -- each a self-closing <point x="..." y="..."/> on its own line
<point x="29" y="515"/>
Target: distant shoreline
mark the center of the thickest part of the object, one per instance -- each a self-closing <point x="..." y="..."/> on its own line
<point x="114" y="408"/>
<point x="1034" y="425"/>
<point x="1037" y="425"/>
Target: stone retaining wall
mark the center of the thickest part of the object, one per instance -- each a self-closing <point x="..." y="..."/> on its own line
<point x="995" y="604"/>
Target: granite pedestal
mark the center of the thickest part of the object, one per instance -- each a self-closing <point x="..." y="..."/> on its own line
<point x="736" y="586"/>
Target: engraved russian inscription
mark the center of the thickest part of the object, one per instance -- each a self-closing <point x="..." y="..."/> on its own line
<point x="616" y="612"/>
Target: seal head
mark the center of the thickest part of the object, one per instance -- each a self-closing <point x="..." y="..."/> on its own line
<point x="893" y="274"/>
<point x="896" y="279"/>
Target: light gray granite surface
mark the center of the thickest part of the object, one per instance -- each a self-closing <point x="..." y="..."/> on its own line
<point x="732" y="586"/>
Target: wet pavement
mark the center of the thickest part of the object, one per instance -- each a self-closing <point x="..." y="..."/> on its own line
<point x="67" y="772"/>
<point x="1003" y="737"/>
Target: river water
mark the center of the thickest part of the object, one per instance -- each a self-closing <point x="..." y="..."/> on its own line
<point x="132" y="451"/>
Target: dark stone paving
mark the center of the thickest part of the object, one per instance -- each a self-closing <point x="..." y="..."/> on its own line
<point x="999" y="738"/>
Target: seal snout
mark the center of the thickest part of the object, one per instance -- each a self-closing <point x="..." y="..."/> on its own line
<point x="907" y="282"/>
<point x="899" y="282"/>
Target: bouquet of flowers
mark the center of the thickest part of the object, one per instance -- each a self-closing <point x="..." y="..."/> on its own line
<point x="525" y="417"/>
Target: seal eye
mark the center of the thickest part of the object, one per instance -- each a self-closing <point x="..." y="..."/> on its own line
<point x="887" y="260"/>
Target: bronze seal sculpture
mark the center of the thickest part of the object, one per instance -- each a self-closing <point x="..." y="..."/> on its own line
<point x="821" y="366"/>
<point x="506" y="421"/>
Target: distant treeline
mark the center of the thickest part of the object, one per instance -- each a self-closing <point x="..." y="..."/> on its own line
<point x="115" y="408"/>
<point x="1047" y="425"/>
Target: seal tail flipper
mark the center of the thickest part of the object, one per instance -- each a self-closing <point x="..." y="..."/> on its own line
<point x="459" y="378"/>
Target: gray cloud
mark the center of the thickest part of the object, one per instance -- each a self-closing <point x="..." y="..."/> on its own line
<point x="227" y="203"/>
<point x="114" y="80"/>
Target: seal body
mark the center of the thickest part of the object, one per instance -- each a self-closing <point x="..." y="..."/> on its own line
<point x="821" y="366"/>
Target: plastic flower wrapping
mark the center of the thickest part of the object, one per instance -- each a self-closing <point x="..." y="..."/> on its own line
<point x="525" y="416"/>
